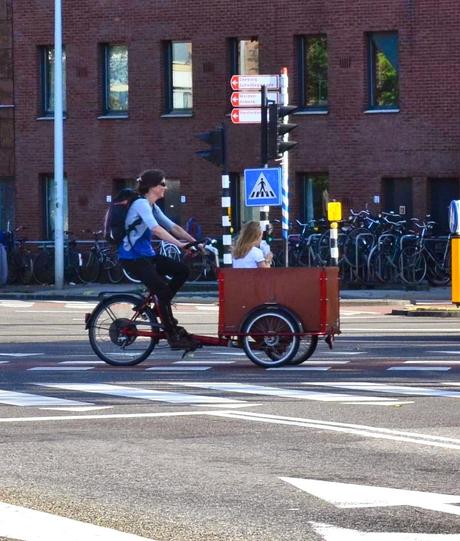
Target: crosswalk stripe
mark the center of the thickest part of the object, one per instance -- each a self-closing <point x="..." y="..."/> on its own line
<point x="140" y="393"/>
<point x="11" y="398"/>
<point x="384" y="388"/>
<point x="59" y="368"/>
<point x="421" y="368"/>
<point x="275" y="391"/>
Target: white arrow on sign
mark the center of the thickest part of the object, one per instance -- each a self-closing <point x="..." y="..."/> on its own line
<point x="333" y="533"/>
<point x="246" y="116"/>
<point x="254" y="82"/>
<point x="348" y="496"/>
<point x="251" y="99"/>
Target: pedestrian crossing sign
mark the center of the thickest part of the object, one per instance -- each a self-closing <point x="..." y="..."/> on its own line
<point x="262" y="187"/>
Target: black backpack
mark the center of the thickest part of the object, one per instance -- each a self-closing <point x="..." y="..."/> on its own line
<point x="115" y="217"/>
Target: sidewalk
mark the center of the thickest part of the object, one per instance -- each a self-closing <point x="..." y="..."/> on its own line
<point x="207" y="292"/>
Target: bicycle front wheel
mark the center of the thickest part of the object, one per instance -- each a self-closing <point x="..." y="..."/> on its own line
<point x="114" y="327"/>
<point x="412" y="265"/>
<point x="89" y="269"/>
<point x="43" y="267"/>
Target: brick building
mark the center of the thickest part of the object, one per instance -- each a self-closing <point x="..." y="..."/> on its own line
<point x="6" y="116"/>
<point x="376" y="82"/>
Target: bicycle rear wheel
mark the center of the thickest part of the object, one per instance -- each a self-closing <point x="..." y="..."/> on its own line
<point x="195" y="263"/>
<point x="43" y="267"/>
<point x="89" y="269"/>
<point x="113" y="331"/>
<point x="412" y="265"/>
<point x="113" y="268"/>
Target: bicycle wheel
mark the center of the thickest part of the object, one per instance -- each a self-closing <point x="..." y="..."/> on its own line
<point x="113" y="327"/>
<point x="270" y="339"/>
<point x="438" y="274"/>
<point x="14" y="267"/>
<point x="171" y="251"/>
<point x="89" y="269"/>
<point x="43" y="267"/>
<point x="113" y="268"/>
<point x="130" y="277"/>
<point x="412" y="264"/>
<point x="307" y="347"/>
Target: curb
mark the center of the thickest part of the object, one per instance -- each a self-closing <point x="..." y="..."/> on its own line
<point x="428" y="312"/>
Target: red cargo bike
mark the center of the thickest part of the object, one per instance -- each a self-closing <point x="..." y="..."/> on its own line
<point x="276" y="315"/>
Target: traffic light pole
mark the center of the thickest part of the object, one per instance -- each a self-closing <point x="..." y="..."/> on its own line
<point x="263" y="216"/>
<point x="285" y="172"/>
<point x="226" y="204"/>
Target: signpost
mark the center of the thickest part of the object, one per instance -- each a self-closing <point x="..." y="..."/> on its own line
<point x="246" y="116"/>
<point x="254" y="82"/>
<point x="251" y="99"/>
<point x="262" y="187"/>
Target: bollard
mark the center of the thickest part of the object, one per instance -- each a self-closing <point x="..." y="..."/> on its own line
<point x="333" y="244"/>
<point x="455" y="269"/>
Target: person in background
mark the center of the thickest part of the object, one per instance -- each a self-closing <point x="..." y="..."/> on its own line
<point x="247" y="253"/>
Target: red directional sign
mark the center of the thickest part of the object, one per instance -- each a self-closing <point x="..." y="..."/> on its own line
<point x="246" y="116"/>
<point x="254" y="82"/>
<point x="251" y="99"/>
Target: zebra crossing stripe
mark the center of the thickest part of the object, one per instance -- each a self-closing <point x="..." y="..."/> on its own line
<point x="384" y="388"/>
<point x="11" y="398"/>
<point x="141" y="394"/>
<point x="282" y="393"/>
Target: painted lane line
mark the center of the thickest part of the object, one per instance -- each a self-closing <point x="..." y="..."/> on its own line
<point x="385" y="388"/>
<point x="59" y="368"/>
<point x="421" y="368"/>
<point x="4" y="362"/>
<point x="107" y="417"/>
<point x="21" y="523"/>
<point x="142" y="394"/>
<point x="345" y="353"/>
<point x="16" y="304"/>
<point x="351" y="496"/>
<point x="325" y="361"/>
<point x="20" y="354"/>
<point x="11" y="398"/>
<point x="334" y="533"/>
<point x="449" y="352"/>
<point x="387" y="330"/>
<point x="81" y="362"/>
<point x="178" y="368"/>
<point x="275" y="391"/>
<point x="359" y="430"/>
<point x="432" y="362"/>
<point x="304" y="368"/>
<point x="204" y="362"/>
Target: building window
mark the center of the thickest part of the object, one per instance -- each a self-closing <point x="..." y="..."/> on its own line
<point x="49" y="206"/>
<point x="47" y="80"/>
<point x="383" y="70"/>
<point x="314" y="190"/>
<point x="115" y="79"/>
<point x="313" y="68"/>
<point x="244" y="56"/>
<point x="6" y="203"/>
<point x="179" y="85"/>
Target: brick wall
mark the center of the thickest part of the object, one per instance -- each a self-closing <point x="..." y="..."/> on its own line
<point x="356" y="149"/>
<point x="6" y="92"/>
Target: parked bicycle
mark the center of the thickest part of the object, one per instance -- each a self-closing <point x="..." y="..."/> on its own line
<point x="203" y="265"/>
<point x="101" y="257"/>
<point x="20" y="263"/>
<point x="43" y="263"/>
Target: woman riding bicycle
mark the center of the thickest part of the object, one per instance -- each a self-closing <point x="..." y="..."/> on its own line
<point x="137" y="256"/>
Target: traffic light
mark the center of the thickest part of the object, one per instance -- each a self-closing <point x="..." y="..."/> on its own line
<point x="277" y="128"/>
<point x="216" y="153"/>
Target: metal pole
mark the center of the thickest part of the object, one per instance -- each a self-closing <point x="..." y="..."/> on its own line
<point x="58" y="151"/>
<point x="285" y="172"/>
<point x="226" y="205"/>
<point x="263" y="215"/>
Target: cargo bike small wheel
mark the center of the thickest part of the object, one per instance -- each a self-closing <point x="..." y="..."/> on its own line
<point x="270" y="337"/>
<point x="307" y="347"/>
<point x="113" y="328"/>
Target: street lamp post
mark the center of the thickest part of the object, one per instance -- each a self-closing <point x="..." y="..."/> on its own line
<point x="58" y="150"/>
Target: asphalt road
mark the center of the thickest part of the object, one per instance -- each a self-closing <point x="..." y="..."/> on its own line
<point x="365" y="438"/>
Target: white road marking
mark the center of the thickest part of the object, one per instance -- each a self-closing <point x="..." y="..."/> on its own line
<point x="79" y="408"/>
<point x="4" y="362"/>
<point x="385" y="388"/>
<point x="59" y="368"/>
<point x="304" y="368"/>
<point x="334" y="533"/>
<point x="405" y="330"/>
<point x="20" y="354"/>
<point x="431" y="362"/>
<point x="16" y="304"/>
<point x="81" y="362"/>
<point x="421" y="368"/>
<point x="275" y="391"/>
<point x="204" y="362"/>
<point x="350" y="496"/>
<point x="346" y="428"/>
<point x="28" y="524"/>
<point x="179" y="368"/>
<point x="449" y="352"/>
<point x="141" y="393"/>
<point x="12" y="398"/>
